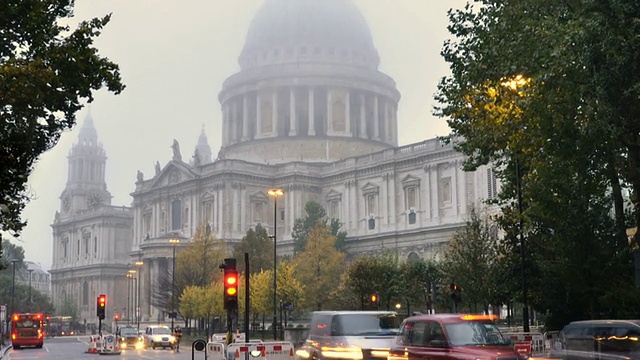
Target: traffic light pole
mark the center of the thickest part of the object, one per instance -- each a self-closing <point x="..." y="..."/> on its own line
<point x="99" y="327"/>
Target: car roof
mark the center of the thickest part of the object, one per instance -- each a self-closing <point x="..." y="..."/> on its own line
<point x="352" y="312"/>
<point x="449" y="318"/>
<point x="605" y="322"/>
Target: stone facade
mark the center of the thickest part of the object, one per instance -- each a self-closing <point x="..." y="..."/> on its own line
<point x="91" y="237"/>
<point x="309" y="113"/>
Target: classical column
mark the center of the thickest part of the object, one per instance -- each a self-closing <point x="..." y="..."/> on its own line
<point x="329" y="113"/>
<point x="394" y="124"/>
<point x="274" y="116"/>
<point x="245" y="118"/>
<point x="312" y="123"/>
<point x="243" y="210"/>
<point x="363" y="117"/>
<point x="258" y="117"/>
<point x="347" y="113"/>
<point x="225" y="124"/>
<point x="376" y="119"/>
<point x="387" y="123"/>
<point x="293" y="121"/>
<point x="392" y="200"/>
<point x="234" y="123"/>
<point x="235" y="214"/>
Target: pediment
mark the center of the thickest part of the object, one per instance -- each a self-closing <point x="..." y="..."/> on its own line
<point x="207" y="196"/>
<point x="410" y="180"/>
<point x="173" y="173"/>
<point x="333" y="195"/>
<point x="370" y="188"/>
<point x="259" y="196"/>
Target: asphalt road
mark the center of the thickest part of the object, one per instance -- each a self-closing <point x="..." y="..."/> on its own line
<point x="75" y="347"/>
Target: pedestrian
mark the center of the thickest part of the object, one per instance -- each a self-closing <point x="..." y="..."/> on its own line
<point x="177" y="333"/>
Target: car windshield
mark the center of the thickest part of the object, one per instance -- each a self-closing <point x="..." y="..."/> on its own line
<point x="128" y="331"/>
<point x="161" y="331"/>
<point x="364" y="324"/>
<point x="473" y="333"/>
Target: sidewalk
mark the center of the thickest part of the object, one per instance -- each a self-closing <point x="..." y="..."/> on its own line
<point x="3" y="350"/>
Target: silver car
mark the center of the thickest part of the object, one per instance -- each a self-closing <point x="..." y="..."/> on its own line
<point x="159" y="336"/>
<point x="353" y="335"/>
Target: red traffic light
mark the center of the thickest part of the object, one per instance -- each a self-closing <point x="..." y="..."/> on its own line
<point x="116" y="316"/>
<point x="102" y="300"/>
<point x="374" y="298"/>
<point x="231" y="283"/>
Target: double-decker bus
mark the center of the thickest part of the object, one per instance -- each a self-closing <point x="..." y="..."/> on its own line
<point x="27" y="330"/>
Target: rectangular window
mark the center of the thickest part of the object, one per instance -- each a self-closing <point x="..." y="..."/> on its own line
<point x="257" y="212"/>
<point x="411" y="197"/>
<point x="86" y="244"/>
<point x="64" y="247"/>
<point x="491" y="184"/>
<point x="371" y="204"/>
<point x="176" y="215"/>
<point x="78" y="247"/>
<point x="95" y="244"/>
<point x="334" y="209"/>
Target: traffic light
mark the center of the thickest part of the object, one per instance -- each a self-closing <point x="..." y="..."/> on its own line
<point x="230" y="289"/>
<point x="102" y="306"/>
<point x="374" y="299"/>
<point x="116" y="317"/>
<point x="455" y="292"/>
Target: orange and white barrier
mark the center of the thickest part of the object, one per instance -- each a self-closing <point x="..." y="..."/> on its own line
<point x="270" y="350"/>
<point x="93" y="348"/>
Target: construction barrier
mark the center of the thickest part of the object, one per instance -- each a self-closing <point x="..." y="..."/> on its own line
<point x="93" y="349"/>
<point x="270" y="350"/>
<point x="215" y="350"/>
<point x="110" y="345"/>
<point x="523" y="342"/>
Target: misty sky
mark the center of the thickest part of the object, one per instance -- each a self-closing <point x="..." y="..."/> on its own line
<point x="174" y="56"/>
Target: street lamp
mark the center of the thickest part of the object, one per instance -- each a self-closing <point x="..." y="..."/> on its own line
<point x="139" y="264"/>
<point x="29" y="300"/>
<point x="128" y="314"/>
<point x="132" y="277"/>
<point x="275" y="193"/>
<point x="13" y="291"/>
<point x="514" y="84"/>
<point x="173" y="282"/>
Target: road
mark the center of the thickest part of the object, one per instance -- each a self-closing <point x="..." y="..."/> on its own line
<point x="75" y="347"/>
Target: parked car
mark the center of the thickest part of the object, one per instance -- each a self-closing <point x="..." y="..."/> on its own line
<point x="350" y="335"/>
<point x="604" y="339"/>
<point x="159" y="336"/>
<point x="451" y="336"/>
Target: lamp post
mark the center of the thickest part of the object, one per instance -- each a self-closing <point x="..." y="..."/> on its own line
<point x="13" y="291"/>
<point x="139" y="264"/>
<point x="29" y="300"/>
<point x="275" y="193"/>
<point x="131" y="274"/>
<point x="514" y="84"/>
<point x="173" y="282"/>
<point x="128" y="314"/>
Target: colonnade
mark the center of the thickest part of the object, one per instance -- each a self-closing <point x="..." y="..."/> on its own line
<point x="309" y="111"/>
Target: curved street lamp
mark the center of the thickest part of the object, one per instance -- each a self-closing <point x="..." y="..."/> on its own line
<point x="275" y="193"/>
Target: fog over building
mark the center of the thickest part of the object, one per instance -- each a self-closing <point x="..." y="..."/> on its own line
<point x="309" y="113"/>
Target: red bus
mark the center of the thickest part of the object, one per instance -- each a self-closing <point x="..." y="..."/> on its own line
<point x="27" y="330"/>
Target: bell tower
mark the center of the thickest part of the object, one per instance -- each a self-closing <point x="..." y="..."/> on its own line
<point x="86" y="188"/>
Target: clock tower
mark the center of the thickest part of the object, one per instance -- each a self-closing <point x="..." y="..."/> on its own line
<point x="86" y="188"/>
<point x="89" y="233"/>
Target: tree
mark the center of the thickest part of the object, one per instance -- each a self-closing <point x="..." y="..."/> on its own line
<point x="558" y="125"/>
<point x="256" y="242"/>
<point x="289" y="289"/>
<point x="418" y="278"/>
<point x="261" y="295"/>
<point x="319" y="265"/>
<point x="197" y="264"/>
<point x="469" y="262"/>
<point x="46" y="70"/>
<point x="12" y="252"/>
<point x="316" y="214"/>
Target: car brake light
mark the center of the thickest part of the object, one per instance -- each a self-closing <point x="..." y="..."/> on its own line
<point x="14" y="336"/>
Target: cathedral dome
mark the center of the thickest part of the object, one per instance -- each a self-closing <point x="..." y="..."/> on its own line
<point x="299" y="27"/>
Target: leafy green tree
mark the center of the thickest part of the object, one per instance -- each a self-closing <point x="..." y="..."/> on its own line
<point x="261" y="294"/>
<point x="46" y="71"/>
<point x="69" y="307"/>
<point x="318" y="266"/>
<point x="11" y="252"/>
<point x="469" y="262"/>
<point x="190" y="301"/>
<point x="257" y="243"/>
<point x="558" y="125"/>
<point x="418" y="278"/>
<point x="289" y="288"/>
<point x="316" y="214"/>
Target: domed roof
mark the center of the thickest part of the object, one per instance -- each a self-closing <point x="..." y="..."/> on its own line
<point x="288" y="24"/>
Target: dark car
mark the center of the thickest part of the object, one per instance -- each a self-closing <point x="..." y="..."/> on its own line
<point x="129" y="337"/>
<point x="354" y="335"/>
<point x="603" y="339"/>
<point x="451" y="336"/>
